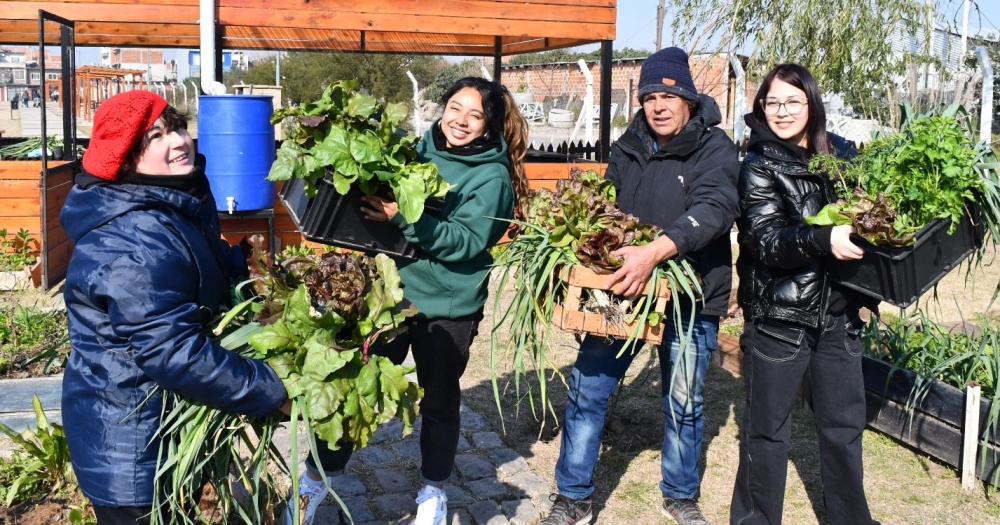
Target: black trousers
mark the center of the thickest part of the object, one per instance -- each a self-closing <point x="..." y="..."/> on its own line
<point x="122" y="515"/>
<point x="441" y="351"/>
<point x="778" y="358"/>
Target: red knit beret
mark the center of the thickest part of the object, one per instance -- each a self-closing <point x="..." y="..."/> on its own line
<point x="119" y="124"/>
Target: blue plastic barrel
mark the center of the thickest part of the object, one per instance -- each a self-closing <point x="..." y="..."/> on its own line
<point x="236" y="136"/>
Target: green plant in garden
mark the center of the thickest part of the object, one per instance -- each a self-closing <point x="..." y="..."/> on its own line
<point x="43" y="460"/>
<point x="313" y="320"/>
<point x="957" y="357"/>
<point x="577" y="224"/>
<point x="930" y="170"/>
<point x="15" y="250"/>
<point x="29" y="336"/>
<point x="24" y="149"/>
<point x="359" y="141"/>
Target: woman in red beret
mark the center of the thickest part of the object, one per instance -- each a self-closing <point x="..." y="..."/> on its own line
<point x="149" y="272"/>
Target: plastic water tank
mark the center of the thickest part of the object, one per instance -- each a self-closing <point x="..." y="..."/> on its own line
<point x="236" y="136"/>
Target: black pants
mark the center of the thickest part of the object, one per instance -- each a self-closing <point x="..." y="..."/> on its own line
<point x="441" y="351"/>
<point x="777" y="359"/>
<point x="122" y="515"/>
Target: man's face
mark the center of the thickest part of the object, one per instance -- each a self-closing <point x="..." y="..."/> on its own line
<point x="666" y="114"/>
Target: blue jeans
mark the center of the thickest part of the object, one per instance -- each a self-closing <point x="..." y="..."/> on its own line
<point x="594" y="379"/>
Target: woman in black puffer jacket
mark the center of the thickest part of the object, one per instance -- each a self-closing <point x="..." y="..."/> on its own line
<point x="801" y="329"/>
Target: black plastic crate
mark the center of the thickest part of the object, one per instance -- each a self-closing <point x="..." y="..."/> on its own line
<point x="335" y="219"/>
<point x="901" y="275"/>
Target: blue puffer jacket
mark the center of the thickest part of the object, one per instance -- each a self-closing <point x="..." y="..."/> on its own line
<point x="148" y="273"/>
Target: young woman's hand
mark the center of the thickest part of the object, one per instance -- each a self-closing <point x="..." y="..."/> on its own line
<point x="378" y="209"/>
<point x="842" y="247"/>
<point x="286" y="409"/>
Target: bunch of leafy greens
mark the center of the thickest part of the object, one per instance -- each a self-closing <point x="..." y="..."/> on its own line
<point x="582" y="216"/>
<point x="901" y="183"/>
<point x="334" y="308"/>
<point x="313" y="320"/>
<point x="577" y="224"/>
<point x="359" y="141"/>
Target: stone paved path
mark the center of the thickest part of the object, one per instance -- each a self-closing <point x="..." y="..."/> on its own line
<point x="492" y="484"/>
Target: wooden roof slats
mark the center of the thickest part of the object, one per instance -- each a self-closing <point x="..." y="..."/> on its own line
<point x="402" y="26"/>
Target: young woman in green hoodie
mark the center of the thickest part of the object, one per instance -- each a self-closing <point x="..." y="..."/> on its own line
<point x="479" y="146"/>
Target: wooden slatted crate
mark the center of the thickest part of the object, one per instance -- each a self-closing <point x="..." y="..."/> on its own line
<point x="570" y="315"/>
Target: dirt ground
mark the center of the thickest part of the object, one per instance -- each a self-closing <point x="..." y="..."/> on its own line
<point x="903" y="486"/>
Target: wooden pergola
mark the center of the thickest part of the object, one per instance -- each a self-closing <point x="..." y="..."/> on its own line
<point x="439" y="27"/>
<point x="95" y="84"/>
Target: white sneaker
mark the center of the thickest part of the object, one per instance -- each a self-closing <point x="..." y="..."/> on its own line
<point x="432" y="506"/>
<point x="312" y="492"/>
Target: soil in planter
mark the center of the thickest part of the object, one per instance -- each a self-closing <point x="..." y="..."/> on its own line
<point x="52" y="510"/>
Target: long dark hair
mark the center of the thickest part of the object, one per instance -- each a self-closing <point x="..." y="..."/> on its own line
<point x="798" y="76"/>
<point x="503" y="119"/>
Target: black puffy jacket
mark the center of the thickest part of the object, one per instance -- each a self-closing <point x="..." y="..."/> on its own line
<point x="782" y="261"/>
<point x="687" y="188"/>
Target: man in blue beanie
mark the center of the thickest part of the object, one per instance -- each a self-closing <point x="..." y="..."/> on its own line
<point x="674" y="169"/>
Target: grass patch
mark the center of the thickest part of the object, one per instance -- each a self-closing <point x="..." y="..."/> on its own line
<point x="16" y="250"/>
<point x="32" y="342"/>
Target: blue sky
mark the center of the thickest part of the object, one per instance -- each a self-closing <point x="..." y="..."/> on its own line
<point x="637" y="26"/>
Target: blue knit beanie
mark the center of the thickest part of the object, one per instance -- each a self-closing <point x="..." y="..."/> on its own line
<point x="667" y="71"/>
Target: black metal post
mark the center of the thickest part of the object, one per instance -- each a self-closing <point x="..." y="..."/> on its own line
<point x="497" y="56"/>
<point x="218" y="53"/>
<point x="605" y="122"/>
<point x="66" y="36"/>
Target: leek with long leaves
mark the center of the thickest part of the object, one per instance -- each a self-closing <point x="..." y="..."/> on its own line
<point x="578" y="224"/>
<point x="314" y="321"/>
<point x="957" y="357"/>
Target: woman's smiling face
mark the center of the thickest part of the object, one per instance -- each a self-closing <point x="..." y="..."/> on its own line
<point x="464" y="119"/>
<point x="168" y="152"/>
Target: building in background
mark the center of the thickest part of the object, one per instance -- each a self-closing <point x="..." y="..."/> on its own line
<point x="945" y="45"/>
<point x="21" y="74"/>
<point x="562" y="85"/>
<point x="230" y="60"/>
<point x="152" y="61"/>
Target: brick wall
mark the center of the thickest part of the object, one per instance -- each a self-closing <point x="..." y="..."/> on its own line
<point x="563" y="84"/>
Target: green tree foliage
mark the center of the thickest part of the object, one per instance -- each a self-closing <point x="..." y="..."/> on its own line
<point x="846" y="44"/>
<point x="447" y="76"/>
<point x="306" y="74"/>
<point x="570" y="55"/>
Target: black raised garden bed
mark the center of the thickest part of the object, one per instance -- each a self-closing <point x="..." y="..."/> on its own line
<point x="901" y="275"/>
<point x="335" y="219"/>
<point x="934" y="425"/>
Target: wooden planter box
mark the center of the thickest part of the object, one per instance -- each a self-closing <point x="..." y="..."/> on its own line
<point x="935" y="425"/>
<point x="570" y="316"/>
<point x="32" y="201"/>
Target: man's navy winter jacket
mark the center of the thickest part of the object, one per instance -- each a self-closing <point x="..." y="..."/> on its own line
<point x="148" y="273"/>
<point x="687" y="188"/>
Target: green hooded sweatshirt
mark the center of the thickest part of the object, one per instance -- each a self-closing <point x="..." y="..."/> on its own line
<point x="450" y="278"/>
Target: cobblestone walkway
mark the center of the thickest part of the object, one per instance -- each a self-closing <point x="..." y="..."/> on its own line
<point x="492" y="484"/>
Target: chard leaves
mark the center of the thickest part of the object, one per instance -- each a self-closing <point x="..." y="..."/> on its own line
<point x="351" y="138"/>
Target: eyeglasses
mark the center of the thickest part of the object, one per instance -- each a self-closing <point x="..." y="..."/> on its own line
<point x="792" y="106"/>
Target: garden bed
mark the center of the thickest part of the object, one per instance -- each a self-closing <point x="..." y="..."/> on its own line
<point x="933" y="424"/>
<point x="33" y="342"/>
<point x="31" y="202"/>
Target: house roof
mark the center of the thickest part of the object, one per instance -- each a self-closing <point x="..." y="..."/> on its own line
<point x="440" y="27"/>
